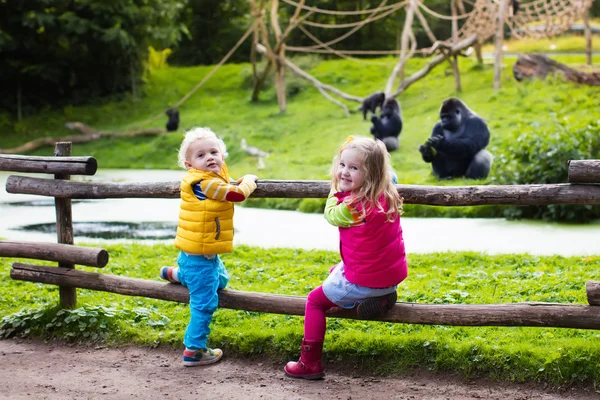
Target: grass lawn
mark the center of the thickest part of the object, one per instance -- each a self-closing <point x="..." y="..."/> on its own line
<point x="556" y="356"/>
<point x="303" y="140"/>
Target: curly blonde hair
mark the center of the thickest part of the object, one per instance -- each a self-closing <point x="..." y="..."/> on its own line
<point x="377" y="168"/>
<point x="197" y="134"/>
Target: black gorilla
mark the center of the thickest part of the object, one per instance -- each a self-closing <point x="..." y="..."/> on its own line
<point x="388" y="126"/>
<point x="457" y="143"/>
<point x="371" y="103"/>
<point x="515" y="7"/>
<point x="173" y="122"/>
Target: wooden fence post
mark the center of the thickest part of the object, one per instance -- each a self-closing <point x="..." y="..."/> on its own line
<point x="64" y="227"/>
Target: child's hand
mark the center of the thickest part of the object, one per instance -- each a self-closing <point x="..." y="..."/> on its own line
<point x="251" y="177"/>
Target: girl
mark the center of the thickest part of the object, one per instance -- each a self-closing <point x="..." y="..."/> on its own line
<point x="366" y="207"/>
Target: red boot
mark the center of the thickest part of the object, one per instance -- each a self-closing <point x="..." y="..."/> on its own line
<point x="309" y="366"/>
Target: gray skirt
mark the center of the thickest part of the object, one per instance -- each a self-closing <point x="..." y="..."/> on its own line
<point x="347" y="295"/>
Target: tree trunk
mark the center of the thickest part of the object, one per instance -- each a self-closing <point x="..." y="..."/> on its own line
<point x="499" y="41"/>
<point x="588" y="37"/>
<point x="539" y="66"/>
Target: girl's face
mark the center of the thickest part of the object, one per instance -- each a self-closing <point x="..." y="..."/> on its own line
<point x="205" y="155"/>
<point x="350" y="171"/>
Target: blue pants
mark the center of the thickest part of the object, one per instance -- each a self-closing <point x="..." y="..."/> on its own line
<point x="203" y="277"/>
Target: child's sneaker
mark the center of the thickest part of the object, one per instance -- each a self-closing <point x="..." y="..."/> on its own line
<point x="170" y="274"/>
<point x="192" y="358"/>
<point x="376" y="306"/>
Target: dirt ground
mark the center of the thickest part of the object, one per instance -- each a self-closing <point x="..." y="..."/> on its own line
<point x="36" y="370"/>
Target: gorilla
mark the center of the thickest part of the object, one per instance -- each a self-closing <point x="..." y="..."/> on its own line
<point x="173" y="122"/>
<point x="457" y="144"/>
<point x="388" y="126"/>
<point x="515" y="7"/>
<point x="371" y="103"/>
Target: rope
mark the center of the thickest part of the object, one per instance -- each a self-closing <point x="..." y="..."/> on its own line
<point x="207" y="76"/>
<point x="440" y="16"/>
<point x="350" y="32"/>
<point x="337" y="52"/>
<point x="351" y="24"/>
<point x="329" y="12"/>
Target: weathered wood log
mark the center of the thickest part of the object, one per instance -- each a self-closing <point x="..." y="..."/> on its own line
<point x="63" y="253"/>
<point x="521" y="314"/>
<point x="49" y="165"/>
<point x="584" y="171"/>
<point x="592" y="289"/>
<point x="539" y="66"/>
<point x="563" y="193"/>
<point x="89" y="135"/>
<point x="64" y="225"/>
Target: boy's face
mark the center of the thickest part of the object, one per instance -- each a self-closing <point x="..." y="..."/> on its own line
<point x="205" y="155"/>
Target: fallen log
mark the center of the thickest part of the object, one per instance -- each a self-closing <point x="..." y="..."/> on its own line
<point x="539" y="66"/>
<point x="520" y="314"/>
<point x="89" y="135"/>
<point x="542" y="194"/>
<point x="62" y="253"/>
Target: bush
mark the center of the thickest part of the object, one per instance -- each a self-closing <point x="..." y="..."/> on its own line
<point x="542" y="157"/>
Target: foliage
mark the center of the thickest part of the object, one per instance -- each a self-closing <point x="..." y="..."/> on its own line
<point x="54" y="50"/>
<point x="87" y="323"/>
<point x="532" y="158"/>
<point x="158" y="59"/>
<point x="551" y="355"/>
<point x="302" y="140"/>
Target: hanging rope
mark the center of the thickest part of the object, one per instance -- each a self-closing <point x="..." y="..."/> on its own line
<point x="329" y="12"/>
<point x="206" y="77"/>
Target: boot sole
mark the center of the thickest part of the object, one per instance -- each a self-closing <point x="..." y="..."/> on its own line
<point x="307" y="377"/>
<point x="371" y="308"/>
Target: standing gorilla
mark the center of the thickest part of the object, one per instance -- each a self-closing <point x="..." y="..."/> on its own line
<point x="173" y="122"/>
<point x="388" y="126"/>
<point x="371" y="103"/>
<point x="457" y="144"/>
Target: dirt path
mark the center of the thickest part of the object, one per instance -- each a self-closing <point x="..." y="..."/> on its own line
<point x="35" y="370"/>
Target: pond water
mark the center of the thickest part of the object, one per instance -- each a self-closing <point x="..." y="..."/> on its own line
<point x="32" y="218"/>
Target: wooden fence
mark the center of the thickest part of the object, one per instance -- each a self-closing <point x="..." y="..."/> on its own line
<point x="581" y="189"/>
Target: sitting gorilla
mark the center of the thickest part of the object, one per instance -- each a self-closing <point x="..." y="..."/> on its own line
<point x="371" y="103"/>
<point x="388" y="126"/>
<point x="457" y="144"/>
<point x="173" y="122"/>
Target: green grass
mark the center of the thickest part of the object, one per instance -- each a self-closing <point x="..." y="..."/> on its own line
<point x="549" y="355"/>
<point x="559" y="44"/>
<point x="303" y="140"/>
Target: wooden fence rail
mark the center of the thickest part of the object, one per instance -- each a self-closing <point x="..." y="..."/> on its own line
<point x="564" y="193"/>
<point x="49" y="165"/>
<point x="63" y="253"/>
<point x="520" y="314"/>
<point x="584" y="171"/>
<point x="582" y="190"/>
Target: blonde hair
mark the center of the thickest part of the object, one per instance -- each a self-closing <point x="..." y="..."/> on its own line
<point x="197" y="134"/>
<point x="378" y="180"/>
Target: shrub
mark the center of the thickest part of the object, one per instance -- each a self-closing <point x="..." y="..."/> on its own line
<point x="542" y="157"/>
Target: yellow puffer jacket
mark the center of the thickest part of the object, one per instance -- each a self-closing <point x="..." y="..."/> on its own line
<point x="205" y="226"/>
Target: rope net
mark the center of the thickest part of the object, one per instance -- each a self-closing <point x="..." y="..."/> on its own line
<point x="535" y="19"/>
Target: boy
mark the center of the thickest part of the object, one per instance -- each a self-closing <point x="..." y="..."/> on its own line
<point x="204" y="231"/>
